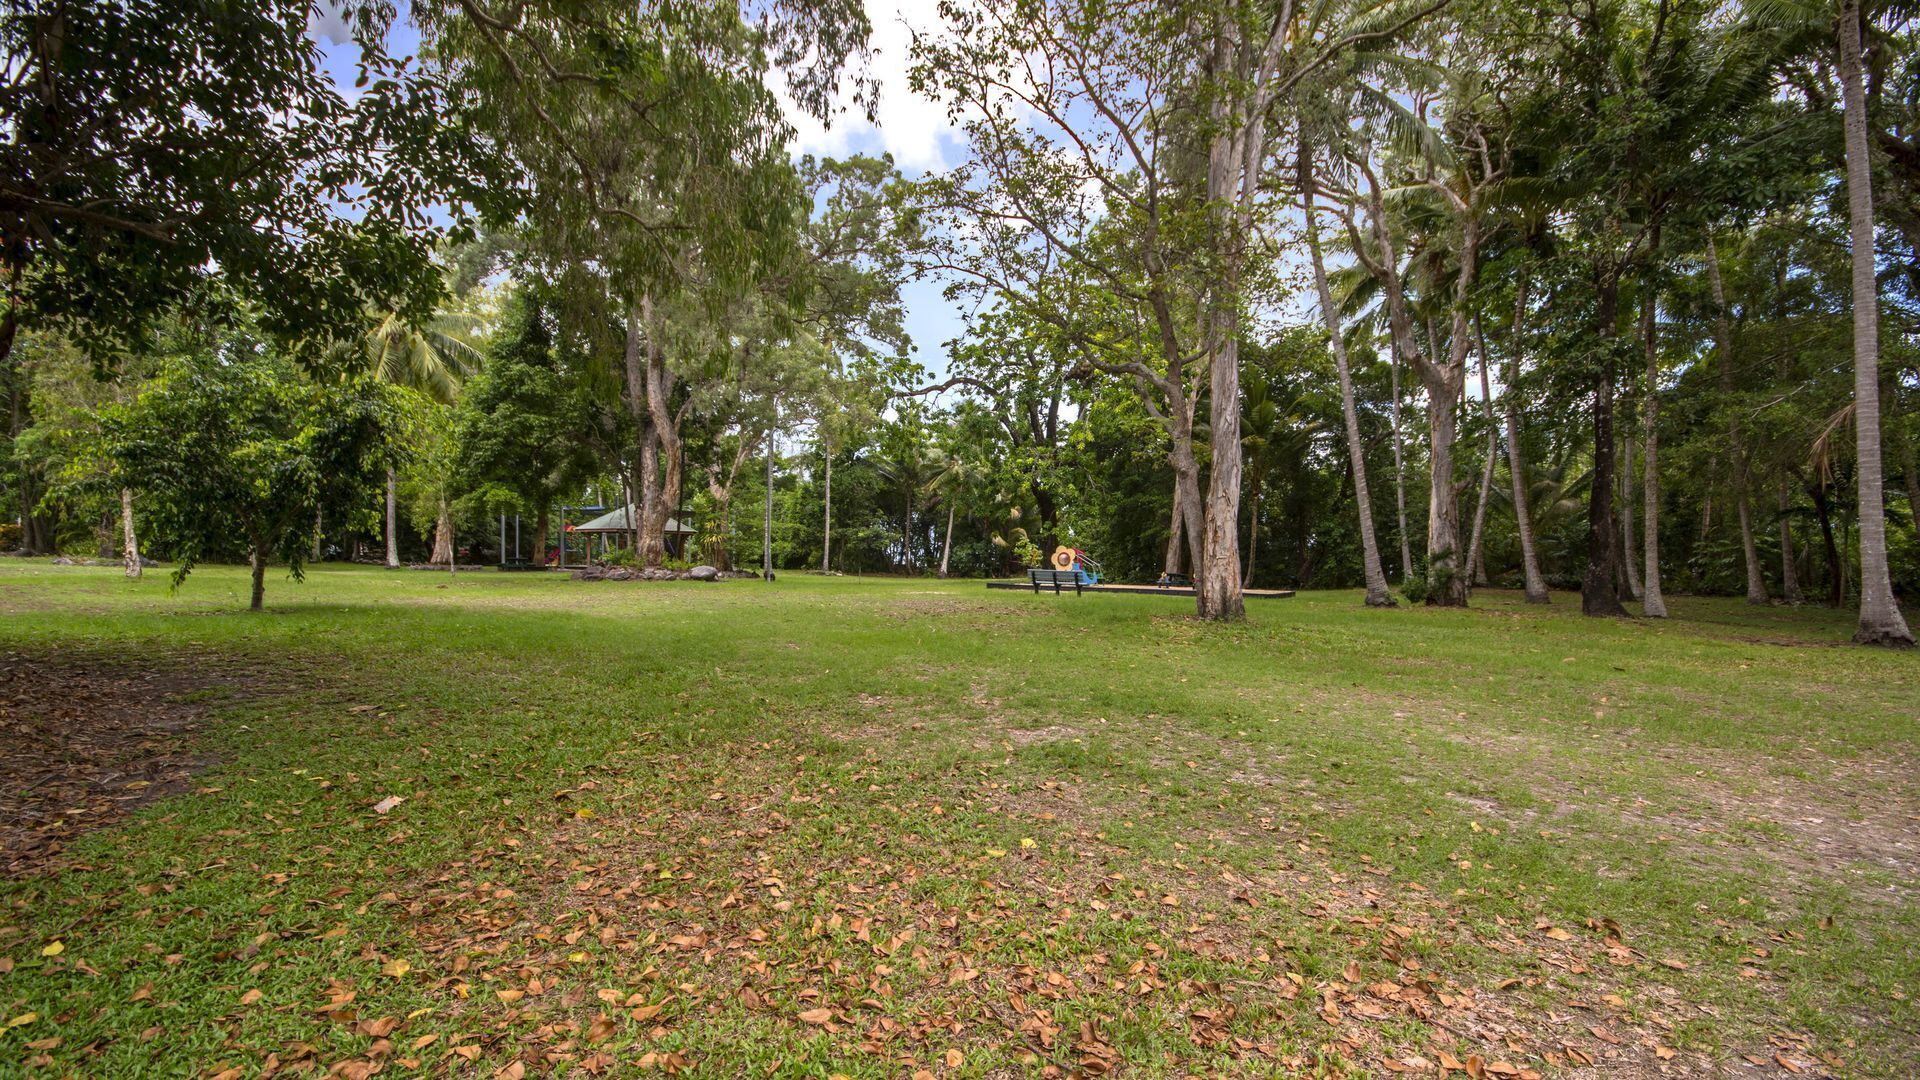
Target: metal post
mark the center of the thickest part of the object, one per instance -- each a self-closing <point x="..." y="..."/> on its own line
<point x="563" y="538"/>
<point x="516" y="538"/>
<point x="503" y="539"/>
<point x="766" y="536"/>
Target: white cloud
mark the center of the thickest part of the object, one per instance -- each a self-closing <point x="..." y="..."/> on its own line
<point x="910" y="127"/>
<point x="327" y="22"/>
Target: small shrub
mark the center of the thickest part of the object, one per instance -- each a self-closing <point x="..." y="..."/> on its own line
<point x="1415" y="589"/>
<point x="1027" y="551"/>
<point x="620" y="557"/>
<point x="10" y="536"/>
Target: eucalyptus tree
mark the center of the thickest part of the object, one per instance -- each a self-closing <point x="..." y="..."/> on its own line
<point x="1257" y="54"/>
<point x="841" y="283"/>
<point x="648" y="146"/>
<point x="1080" y="201"/>
<point x="1114" y="188"/>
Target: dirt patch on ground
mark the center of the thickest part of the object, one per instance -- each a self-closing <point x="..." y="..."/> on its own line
<point x="1830" y="819"/>
<point x="1851" y="819"/>
<point x="87" y="744"/>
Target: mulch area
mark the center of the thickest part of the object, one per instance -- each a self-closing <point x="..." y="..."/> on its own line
<point x="87" y="743"/>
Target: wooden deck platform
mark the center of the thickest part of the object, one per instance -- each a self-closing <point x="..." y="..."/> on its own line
<point x="1140" y="590"/>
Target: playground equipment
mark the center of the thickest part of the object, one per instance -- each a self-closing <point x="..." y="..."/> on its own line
<point x="1075" y="561"/>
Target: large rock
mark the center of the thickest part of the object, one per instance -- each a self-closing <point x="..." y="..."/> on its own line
<point x="620" y="573"/>
<point x="704" y="573"/>
<point x="590" y="573"/>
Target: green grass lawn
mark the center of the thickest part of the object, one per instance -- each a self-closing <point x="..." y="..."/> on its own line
<point x="881" y="827"/>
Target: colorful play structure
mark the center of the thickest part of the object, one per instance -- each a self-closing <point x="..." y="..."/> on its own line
<point x="1070" y="568"/>
<point x="1066" y="559"/>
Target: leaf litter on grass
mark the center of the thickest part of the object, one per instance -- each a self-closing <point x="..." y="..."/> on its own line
<point x="836" y="920"/>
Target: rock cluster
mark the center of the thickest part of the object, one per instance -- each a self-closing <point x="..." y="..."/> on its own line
<point x="621" y="573"/>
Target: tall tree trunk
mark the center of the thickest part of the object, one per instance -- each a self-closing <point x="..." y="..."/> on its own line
<point x="393" y="534"/>
<point x="1399" y="470"/>
<point x="826" y="527"/>
<point x="1789" y="577"/>
<point x="1836" y="587"/>
<point x="649" y="546"/>
<point x="1217" y="583"/>
<point x="1444" y="382"/>
<point x="1186" y="473"/>
<point x="643" y="477"/>
<point x="1629" y="556"/>
<point x="1253" y="532"/>
<point x="718" y="553"/>
<point x="1049" y="515"/>
<point x="129" y="542"/>
<point x="628" y="480"/>
<point x="259" y="577"/>
<point x="1599" y="593"/>
<point x="1880" y="620"/>
<point x="1736" y="444"/>
<point x="443" y="535"/>
<point x="540" y="527"/>
<point x="1371" y="569"/>
<point x="1476" y="564"/>
<point x="766" y="509"/>
<point x="906" y="532"/>
<point x="1652" y="603"/>
<point x="1446" y="576"/>
<point x="1176" y="536"/>
<point x="1217" y="586"/>
<point x="669" y="449"/>
<point x="1533" y="580"/>
<point x="946" y="546"/>
<point x="673" y="455"/>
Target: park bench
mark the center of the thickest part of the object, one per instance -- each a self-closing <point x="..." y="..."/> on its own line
<point x="1038" y="577"/>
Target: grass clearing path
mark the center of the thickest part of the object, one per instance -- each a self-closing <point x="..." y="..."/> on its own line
<point x="878" y="828"/>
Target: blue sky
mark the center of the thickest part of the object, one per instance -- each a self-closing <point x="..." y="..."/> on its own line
<point x="913" y="129"/>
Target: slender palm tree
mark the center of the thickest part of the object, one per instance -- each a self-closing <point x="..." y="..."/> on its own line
<point x="1880" y="620"/>
<point x="958" y="480"/>
<point x="1375" y="574"/>
<point x="432" y="359"/>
